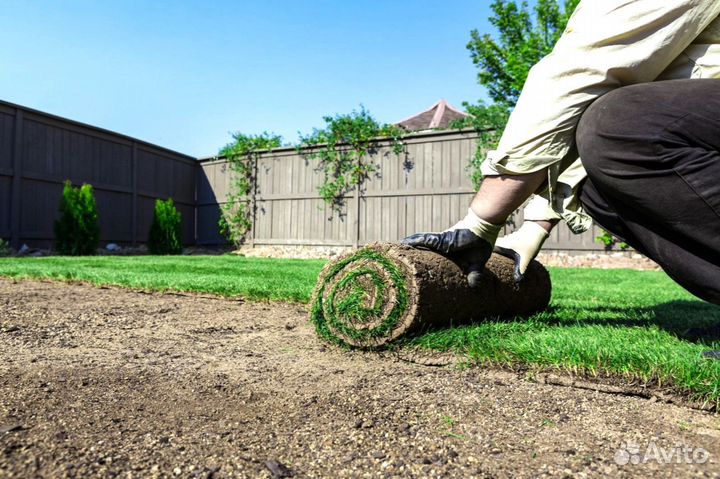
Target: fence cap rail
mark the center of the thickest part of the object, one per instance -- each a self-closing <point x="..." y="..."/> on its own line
<point x="467" y="132"/>
<point x="98" y="129"/>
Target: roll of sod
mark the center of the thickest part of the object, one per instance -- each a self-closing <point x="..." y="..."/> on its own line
<point x="375" y="295"/>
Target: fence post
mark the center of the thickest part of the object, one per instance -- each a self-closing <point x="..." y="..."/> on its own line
<point x="253" y="200"/>
<point x="197" y="170"/>
<point x="16" y="181"/>
<point x="134" y="206"/>
<point x="356" y="233"/>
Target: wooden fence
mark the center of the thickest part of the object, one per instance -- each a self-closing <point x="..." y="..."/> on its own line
<point x="38" y="152"/>
<point x="426" y="189"/>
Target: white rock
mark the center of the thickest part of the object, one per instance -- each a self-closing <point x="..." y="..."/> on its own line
<point x="112" y="247"/>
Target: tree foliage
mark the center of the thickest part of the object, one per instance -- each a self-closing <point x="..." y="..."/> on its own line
<point x="523" y="39"/>
<point x="342" y="150"/>
<point x="242" y="154"/>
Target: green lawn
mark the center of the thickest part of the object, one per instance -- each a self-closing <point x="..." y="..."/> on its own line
<point x="228" y="275"/>
<point x="636" y="324"/>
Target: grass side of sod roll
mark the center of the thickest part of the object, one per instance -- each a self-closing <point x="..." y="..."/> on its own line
<point x="637" y="325"/>
<point x="327" y="319"/>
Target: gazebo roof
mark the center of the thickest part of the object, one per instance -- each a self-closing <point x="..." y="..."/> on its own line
<point x="440" y="115"/>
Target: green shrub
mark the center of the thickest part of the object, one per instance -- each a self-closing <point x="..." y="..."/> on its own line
<point x="166" y="229"/>
<point x="4" y="248"/>
<point x="77" y="232"/>
<point x="609" y="241"/>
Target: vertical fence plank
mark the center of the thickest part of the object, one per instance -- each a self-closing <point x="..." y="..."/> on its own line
<point x="253" y="203"/>
<point x="134" y="200"/>
<point x="356" y="224"/>
<point x="16" y="181"/>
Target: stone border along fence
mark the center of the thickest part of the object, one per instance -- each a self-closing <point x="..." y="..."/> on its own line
<point x="428" y="188"/>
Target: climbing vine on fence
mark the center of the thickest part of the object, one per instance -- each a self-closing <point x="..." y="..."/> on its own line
<point x="343" y="149"/>
<point x="242" y="154"/>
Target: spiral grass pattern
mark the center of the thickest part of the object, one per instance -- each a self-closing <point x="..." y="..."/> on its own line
<point x="361" y="299"/>
<point x="375" y="295"/>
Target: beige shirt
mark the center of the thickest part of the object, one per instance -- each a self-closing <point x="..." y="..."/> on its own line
<point x="607" y="44"/>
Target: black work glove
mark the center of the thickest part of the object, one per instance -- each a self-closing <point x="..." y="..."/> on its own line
<point x="447" y="242"/>
<point x="464" y="247"/>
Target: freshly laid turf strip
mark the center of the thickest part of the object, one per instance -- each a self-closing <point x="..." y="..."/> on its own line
<point x="256" y="279"/>
<point x="373" y="296"/>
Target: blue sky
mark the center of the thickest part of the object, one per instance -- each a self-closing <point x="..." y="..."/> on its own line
<point x="185" y="74"/>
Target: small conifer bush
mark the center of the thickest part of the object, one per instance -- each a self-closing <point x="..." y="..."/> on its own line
<point x="166" y="229"/>
<point x="77" y="231"/>
<point x="4" y="248"/>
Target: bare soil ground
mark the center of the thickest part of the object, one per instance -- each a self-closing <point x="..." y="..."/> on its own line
<point x="113" y="383"/>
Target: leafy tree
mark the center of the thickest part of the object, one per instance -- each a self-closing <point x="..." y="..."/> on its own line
<point x="242" y="155"/>
<point x="504" y="62"/>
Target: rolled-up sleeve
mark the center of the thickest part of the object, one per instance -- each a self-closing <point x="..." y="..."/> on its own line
<point x="607" y="44"/>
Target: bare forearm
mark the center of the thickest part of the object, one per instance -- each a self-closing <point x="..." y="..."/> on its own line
<point x="500" y="195"/>
<point x="547" y="225"/>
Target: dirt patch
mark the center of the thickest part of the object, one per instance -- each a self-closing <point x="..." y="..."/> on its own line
<point x="105" y="382"/>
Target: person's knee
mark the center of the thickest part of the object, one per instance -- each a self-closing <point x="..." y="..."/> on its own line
<point x="599" y="132"/>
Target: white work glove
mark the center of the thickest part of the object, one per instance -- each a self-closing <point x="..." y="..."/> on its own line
<point x="522" y="246"/>
<point x="469" y="241"/>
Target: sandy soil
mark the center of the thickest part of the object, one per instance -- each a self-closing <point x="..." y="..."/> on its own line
<point x="112" y="383"/>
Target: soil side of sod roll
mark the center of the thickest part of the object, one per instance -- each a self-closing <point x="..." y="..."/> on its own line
<point x="377" y="294"/>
